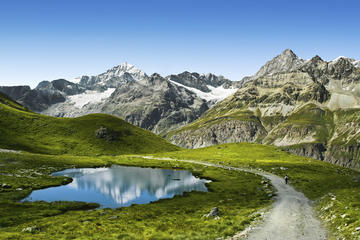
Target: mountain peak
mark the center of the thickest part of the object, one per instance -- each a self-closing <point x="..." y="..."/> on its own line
<point x="156" y="75"/>
<point x="119" y="71"/>
<point x="285" y="62"/>
<point x="114" y="77"/>
<point x="126" y="63"/>
<point x="124" y="67"/>
<point x="288" y="52"/>
<point x="316" y="59"/>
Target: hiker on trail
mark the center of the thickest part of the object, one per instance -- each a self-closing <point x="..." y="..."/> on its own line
<point x="286" y="179"/>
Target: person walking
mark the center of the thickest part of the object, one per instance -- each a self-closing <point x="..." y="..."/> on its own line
<point x="286" y="179"/>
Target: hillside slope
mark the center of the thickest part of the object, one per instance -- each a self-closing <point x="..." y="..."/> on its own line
<point x="309" y="107"/>
<point x="93" y="134"/>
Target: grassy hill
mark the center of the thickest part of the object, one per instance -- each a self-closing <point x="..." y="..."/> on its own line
<point x="94" y="134"/>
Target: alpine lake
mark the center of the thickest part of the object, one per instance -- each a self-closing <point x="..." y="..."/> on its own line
<point x="120" y="186"/>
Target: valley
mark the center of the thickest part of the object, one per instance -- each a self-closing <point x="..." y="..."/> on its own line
<point x="288" y="119"/>
<point x="179" y="120"/>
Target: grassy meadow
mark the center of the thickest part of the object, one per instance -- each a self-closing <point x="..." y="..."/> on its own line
<point x="239" y="196"/>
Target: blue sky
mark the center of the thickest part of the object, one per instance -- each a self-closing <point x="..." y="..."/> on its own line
<point x="46" y="40"/>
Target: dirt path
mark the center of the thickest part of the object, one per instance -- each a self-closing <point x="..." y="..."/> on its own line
<point x="291" y="217"/>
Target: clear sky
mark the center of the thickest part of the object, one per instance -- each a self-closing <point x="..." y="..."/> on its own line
<point x="50" y="39"/>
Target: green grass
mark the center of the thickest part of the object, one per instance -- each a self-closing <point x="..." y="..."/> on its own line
<point x="5" y="100"/>
<point x="316" y="179"/>
<point x="31" y="132"/>
<point x="238" y="196"/>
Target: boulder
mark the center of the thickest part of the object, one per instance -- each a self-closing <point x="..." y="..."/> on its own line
<point x="31" y="229"/>
<point x="213" y="213"/>
<point x="105" y="133"/>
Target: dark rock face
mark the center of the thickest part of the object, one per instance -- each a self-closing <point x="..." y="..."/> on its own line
<point x="155" y="104"/>
<point x="341" y="69"/>
<point x="315" y="92"/>
<point x="346" y="156"/>
<point x="316" y="150"/>
<point x="44" y="95"/>
<point x="40" y="100"/>
<point x="61" y="86"/>
<point x="36" y="100"/>
<point x="15" y="92"/>
<point x="219" y="133"/>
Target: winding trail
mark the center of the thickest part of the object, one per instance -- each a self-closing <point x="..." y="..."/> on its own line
<point x="291" y="217"/>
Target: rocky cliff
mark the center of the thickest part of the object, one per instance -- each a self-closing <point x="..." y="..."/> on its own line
<point x="308" y="107"/>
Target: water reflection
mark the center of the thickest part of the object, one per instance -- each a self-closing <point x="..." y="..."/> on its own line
<point x="120" y="186"/>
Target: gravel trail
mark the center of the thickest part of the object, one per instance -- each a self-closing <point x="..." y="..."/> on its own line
<point x="291" y="217"/>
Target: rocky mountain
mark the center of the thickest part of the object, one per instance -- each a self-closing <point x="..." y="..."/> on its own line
<point x="44" y="95"/>
<point x="202" y="82"/>
<point x="151" y="102"/>
<point x="209" y="87"/>
<point x="309" y="107"/>
<point x="112" y="78"/>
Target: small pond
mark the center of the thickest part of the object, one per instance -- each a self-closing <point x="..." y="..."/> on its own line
<point x="120" y="186"/>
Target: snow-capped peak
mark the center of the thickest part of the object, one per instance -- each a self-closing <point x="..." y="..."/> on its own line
<point x="338" y="58"/>
<point x="113" y="77"/>
<point x="126" y="67"/>
<point x="354" y="62"/>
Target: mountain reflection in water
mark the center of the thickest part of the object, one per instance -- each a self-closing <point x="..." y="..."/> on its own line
<point x="120" y="186"/>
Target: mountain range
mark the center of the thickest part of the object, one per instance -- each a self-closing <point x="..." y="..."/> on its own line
<point x="308" y="107"/>
<point x="156" y="103"/>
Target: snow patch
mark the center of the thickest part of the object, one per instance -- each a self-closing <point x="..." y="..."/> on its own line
<point x="216" y="94"/>
<point x="356" y="64"/>
<point x="88" y="96"/>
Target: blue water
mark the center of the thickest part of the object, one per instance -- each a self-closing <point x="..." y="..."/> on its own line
<point x="120" y="186"/>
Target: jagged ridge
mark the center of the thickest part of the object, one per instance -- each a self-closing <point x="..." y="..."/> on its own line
<point x="294" y="103"/>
